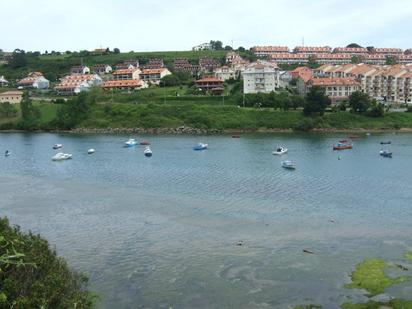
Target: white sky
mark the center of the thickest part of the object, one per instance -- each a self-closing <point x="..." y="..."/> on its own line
<point x="152" y="25"/>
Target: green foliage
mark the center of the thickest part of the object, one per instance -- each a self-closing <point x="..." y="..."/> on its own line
<point x="308" y="307"/>
<point x="8" y="110"/>
<point x="359" y="102"/>
<point x="370" y="276"/>
<point x="33" y="276"/>
<point x="376" y="110"/>
<point x="316" y="102"/>
<point x="305" y="124"/>
<point x="30" y="114"/>
<point x="408" y="255"/>
<point x="216" y="45"/>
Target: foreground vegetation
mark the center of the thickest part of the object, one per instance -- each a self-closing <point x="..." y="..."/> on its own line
<point x="33" y="276"/>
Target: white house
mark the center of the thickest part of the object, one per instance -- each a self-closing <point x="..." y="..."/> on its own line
<point x="154" y="75"/>
<point x="261" y="77"/>
<point x="81" y="69"/>
<point x="74" y="84"/>
<point x="3" y="82"/>
<point x="102" y="69"/>
<point x="225" y="73"/>
<point x="34" y="80"/>
<point x="204" y="46"/>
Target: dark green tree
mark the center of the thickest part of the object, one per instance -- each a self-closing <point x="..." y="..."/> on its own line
<point x="316" y="101"/>
<point x="359" y="102"/>
<point x="29" y="114"/>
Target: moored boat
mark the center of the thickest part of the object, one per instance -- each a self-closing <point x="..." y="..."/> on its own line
<point x="342" y="146"/>
<point x="386" y="143"/>
<point x="144" y="143"/>
<point x="61" y="156"/>
<point x="91" y="151"/>
<point x="200" y="146"/>
<point x="280" y="150"/>
<point x="7" y="153"/>
<point x="386" y="153"/>
<point x="57" y="146"/>
<point x="236" y="136"/>
<point x="148" y="152"/>
<point x="130" y="143"/>
<point x="288" y="165"/>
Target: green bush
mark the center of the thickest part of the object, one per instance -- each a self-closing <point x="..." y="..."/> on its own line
<point x="33" y="276"/>
<point x="306" y="124"/>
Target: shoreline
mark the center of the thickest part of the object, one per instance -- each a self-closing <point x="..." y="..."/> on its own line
<point x="194" y="131"/>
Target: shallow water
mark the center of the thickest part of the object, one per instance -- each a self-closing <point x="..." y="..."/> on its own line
<point x="162" y="232"/>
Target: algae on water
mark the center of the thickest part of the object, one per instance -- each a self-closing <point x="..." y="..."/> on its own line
<point x="370" y="276"/>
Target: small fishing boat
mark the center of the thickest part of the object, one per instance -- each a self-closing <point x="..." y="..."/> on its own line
<point x="235" y="136"/>
<point x="200" y="146"/>
<point x="288" y="165"/>
<point x="386" y="143"/>
<point x="7" y="153"/>
<point x="91" y="151"/>
<point x="386" y="153"/>
<point x="61" y="156"/>
<point x="130" y="143"/>
<point x="57" y="146"/>
<point x="144" y="143"/>
<point x="148" y="152"/>
<point x="342" y="146"/>
<point x="280" y="151"/>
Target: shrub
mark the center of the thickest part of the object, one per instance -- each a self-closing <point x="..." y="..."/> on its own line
<point x="306" y="124"/>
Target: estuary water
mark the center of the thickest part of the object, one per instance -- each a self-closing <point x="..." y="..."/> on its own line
<point x="164" y="232"/>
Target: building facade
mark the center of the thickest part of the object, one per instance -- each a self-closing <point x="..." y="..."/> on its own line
<point x="12" y="97"/>
<point x="260" y="78"/>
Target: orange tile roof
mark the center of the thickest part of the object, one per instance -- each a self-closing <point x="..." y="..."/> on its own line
<point x="153" y="71"/>
<point x="209" y="79"/>
<point x="333" y="56"/>
<point x="122" y="83"/>
<point x="350" y="50"/>
<point x="270" y="49"/>
<point x="288" y="56"/>
<point x="323" y="49"/>
<point x="124" y="71"/>
<point x="333" y="81"/>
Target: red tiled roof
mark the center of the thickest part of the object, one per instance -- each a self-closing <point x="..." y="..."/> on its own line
<point x="124" y="71"/>
<point x="122" y="83"/>
<point x="153" y="71"/>
<point x="209" y="79"/>
<point x="333" y="81"/>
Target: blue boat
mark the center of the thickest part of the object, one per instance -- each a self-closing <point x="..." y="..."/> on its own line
<point x="200" y="146"/>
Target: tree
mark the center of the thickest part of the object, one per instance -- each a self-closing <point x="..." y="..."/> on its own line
<point x="18" y="59"/>
<point x="355" y="59"/>
<point x="359" y="102"/>
<point x="216" y="45"/>
<point x="116" y="50"/>
<point x="316" y="101"/>
<point x="76" y="110"/>
<point x="391" y="60"/>
<point x="241" y="49"/>
<point x="312" y="62"/>
<point x="33" y="276"/>
<point x="227" y="47"/>
<point x="29" y="114"/>
<point x="7" y="110"/>
<point x="376" y="110"/>
<point x="354" y="45"/>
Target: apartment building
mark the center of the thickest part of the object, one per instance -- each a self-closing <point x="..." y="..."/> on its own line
<point x="12" y="97"/>
<point x="80" y="70"/>
<point x="208" y="65"/>
<point x="312" y="50"/>
<point x="225" y="72"/>
<point x="211" y="84"/>
<point x="102" y="69"/>
<point x="260" y="77"/>
<point x="352" y="51"/>
<point x="266" y="51"/>
<point x="183" y="65"/>
<point x="289" y="58"/>
<point x="154" y="75"/>
<point x="125" y="79"/>
<point x="154" y="63"/>
<point x="333" y="58"/>
<point x="336" y="88"/>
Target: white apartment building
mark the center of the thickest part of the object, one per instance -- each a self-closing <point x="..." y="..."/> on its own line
<point x="224" y="73"/>
<point x="260" y="77"/>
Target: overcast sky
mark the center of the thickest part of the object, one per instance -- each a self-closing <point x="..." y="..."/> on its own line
<point x="180" y="24"/>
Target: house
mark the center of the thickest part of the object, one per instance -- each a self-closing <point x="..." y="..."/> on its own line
<point x="102" y="69"/>
<point x="301" y="72"/>
<point x="404" y="88"/>
<point x="266" y="51"/>
<point x="154" y="63"/>
<point x="333" y="58"/>
<point x="208" y="64"/>
<point x="76" y="83"/>
<point x="336" y="88"/>
<point x="154" y="75"/>
<point x="211" y="84"/>
<point x="126" y="74"/>
<point x="34" y="80"/>
<point x="204" y="46"/>
<point x="183" y="65"/>
<point x="126" y="84"/>
<point x="11" y="97"/>
<point x="3" y="82"/>
<point x="127" y="64"/>
<point x="81" y="69"/>
<point x="224" y="73"/>
<point x="312" y="50"/>
<point x="233" y="57"/>
<point x="260" y="77"/>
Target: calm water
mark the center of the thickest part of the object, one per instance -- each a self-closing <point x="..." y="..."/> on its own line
<point x="161" y="232"/>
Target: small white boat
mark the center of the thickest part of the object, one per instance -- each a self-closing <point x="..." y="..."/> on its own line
<point x="57" y="146"/>
<point x="280" y="151"/>
<point x="91" y="151"/>
<point x="61" y="156"/>
<point x="200" y="146"/>
<point x="148" y="152"/>
<point x="130" y="143"/>
<point x="288" y="165"/>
